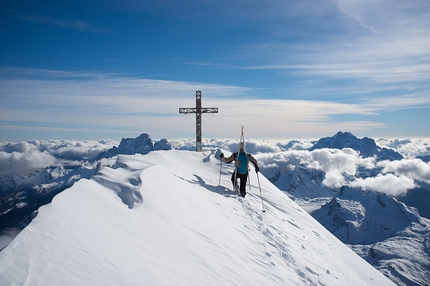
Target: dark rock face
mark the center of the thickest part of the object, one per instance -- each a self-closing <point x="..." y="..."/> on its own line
<point x="140" y="145"/>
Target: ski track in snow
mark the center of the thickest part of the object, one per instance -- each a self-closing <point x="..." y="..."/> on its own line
<point x="276" y="242"/>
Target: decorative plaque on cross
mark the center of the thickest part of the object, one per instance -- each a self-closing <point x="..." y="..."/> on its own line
<point x="198" y="110"/>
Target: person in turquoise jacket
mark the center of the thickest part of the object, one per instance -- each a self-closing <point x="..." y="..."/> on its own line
<point x="241" y="159"/>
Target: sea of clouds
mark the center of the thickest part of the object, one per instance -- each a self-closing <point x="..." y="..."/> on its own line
<point x="408" y="147"/>
<point x="26" y="157"/>
<point x="347" y="168"/>
<point x="341" y="167"/>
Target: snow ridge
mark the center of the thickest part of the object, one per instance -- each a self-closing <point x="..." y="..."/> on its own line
<point x="183" y="229"/>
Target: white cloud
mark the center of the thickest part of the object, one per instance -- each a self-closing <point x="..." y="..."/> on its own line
<point x="408" y="147"/>
<point x="334" y="179"/>
<point x="26" y="157"/>
<point x="20" y="147"/>
<point x="373" y="48"/>
<point x="390" y="184"/>
<point x="335" y="160"/>
<point x="78" y="150"/>
<point x="69" y="149"/>
<point x="24" y="162"/>
<point x="339" y="166"/>
<point x="411" y="168"/>
<point x="388" y="41"/>
<point x="37" y="100"/>
<point x="252" y="146"/>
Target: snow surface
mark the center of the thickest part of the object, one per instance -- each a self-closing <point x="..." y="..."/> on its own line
<point x="163" y="219"/>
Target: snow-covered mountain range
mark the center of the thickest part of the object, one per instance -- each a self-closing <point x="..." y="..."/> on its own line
<point x="317" y="175"/>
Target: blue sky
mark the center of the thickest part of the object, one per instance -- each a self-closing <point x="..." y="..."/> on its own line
<point x="284" y="69"/>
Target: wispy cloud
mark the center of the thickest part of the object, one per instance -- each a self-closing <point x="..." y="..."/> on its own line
<point x="375" y="54"/>
<point x="380" y="46"/>
<point x="75" y="24"/>
<point x="43" y="99"/>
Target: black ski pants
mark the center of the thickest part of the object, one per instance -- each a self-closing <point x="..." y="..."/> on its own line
<point x="242" y="178"/>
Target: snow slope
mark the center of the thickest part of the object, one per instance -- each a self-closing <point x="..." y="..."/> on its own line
<point x="163" y="219"/>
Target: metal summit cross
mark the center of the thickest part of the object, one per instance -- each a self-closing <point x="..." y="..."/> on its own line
<point x="198" y="110"/>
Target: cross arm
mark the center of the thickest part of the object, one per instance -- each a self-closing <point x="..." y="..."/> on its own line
<point x="202" y="110"/>
<point x="187" y="110"/>
<point x="209" y="110"/>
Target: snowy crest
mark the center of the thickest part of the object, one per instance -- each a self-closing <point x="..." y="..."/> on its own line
<point x="185" y="227"/>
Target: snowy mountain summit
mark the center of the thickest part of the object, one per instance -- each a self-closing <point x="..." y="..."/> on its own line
<point x="366" y="146"/>
<point x="140" y="145"/>
<point x="170" y="218"/>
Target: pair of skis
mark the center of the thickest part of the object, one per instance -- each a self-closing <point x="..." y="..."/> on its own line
<point x="241" y="144"/>
<point x="235" y="188"/>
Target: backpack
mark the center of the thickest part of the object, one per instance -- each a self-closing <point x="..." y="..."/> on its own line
<point x="242" y="163"/>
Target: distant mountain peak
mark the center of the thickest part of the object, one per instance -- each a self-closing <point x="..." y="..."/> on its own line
<point x="140" y="145"/>
<point x="366" y="146"/>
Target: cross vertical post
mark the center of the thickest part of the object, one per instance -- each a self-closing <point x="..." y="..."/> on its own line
<point x="198" y="111"/>
<point x="198" y="121"/>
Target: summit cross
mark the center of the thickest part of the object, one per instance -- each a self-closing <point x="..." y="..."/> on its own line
<point x="198" y="110"/>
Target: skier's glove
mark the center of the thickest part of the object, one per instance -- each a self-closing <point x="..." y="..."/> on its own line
<point x="257" y="169"/>
<point x="222" y="155"/>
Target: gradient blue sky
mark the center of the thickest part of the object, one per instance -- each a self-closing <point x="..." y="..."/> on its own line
<point x="284" y="69"/>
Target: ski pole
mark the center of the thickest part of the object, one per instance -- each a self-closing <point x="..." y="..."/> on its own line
<point x="249" y="181"/>
<point x="220" y="169"/>
<point x="261" y="195"/>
